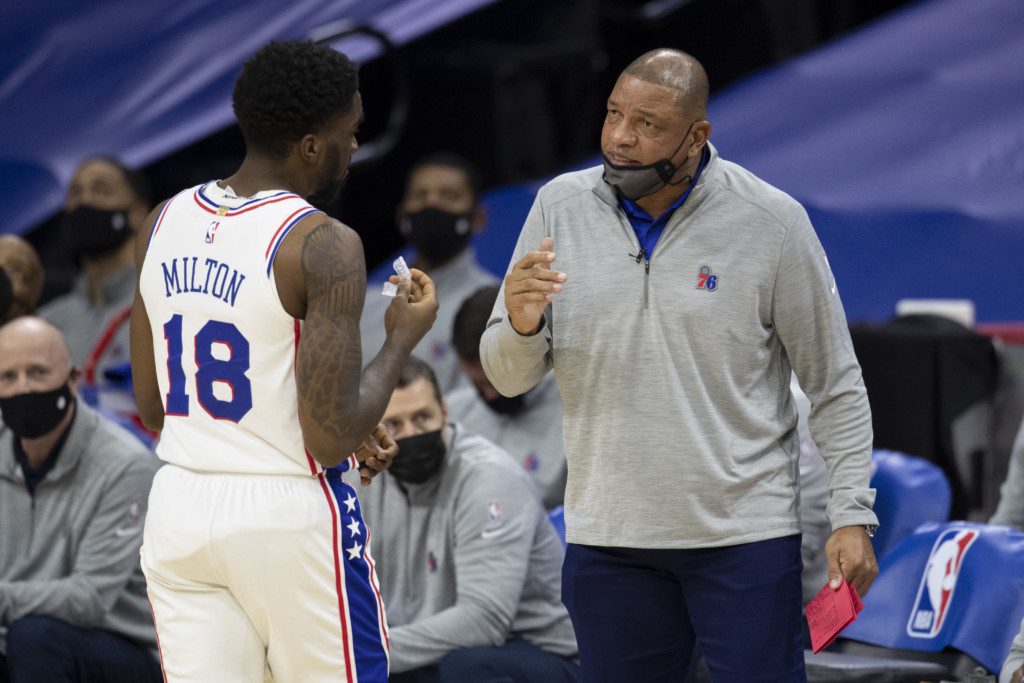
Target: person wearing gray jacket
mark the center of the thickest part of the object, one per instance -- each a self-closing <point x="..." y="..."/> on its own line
<point x="529" y="426"/>
<point x="467" y="559"/>
<point x="73" y="494"/>
<point x="1010" y="510"/>
<point x="686" y="291"/>
<point x="439" y="213"/>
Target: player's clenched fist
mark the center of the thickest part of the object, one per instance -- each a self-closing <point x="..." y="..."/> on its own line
<point x="529" y="287"/>
<point x="413" y="310"/>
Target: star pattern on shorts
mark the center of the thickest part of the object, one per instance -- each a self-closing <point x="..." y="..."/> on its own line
<point x="354" y="551"/>
<point x="353" y="527"/>
<point x="350" y="503"/>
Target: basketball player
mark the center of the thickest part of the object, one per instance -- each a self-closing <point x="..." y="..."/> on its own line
<point x="256" y="558"/>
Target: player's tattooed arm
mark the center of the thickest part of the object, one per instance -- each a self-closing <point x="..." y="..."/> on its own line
<point x="339" y="405"/>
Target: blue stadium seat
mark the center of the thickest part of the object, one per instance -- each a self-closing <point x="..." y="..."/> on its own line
<point x="954" y="585"/>
<point x="911" y="492"/>
<point x="557" y="518"/>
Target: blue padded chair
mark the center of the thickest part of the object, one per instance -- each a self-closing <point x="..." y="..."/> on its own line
<point x="954" y="585"/>
<point x="557" y="518"/>
<point x="910" y="492"/>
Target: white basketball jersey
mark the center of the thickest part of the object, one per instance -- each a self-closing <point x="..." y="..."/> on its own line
<point x="224" y="346"/>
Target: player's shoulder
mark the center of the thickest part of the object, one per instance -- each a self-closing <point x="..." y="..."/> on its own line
<point x="320" y="239"/>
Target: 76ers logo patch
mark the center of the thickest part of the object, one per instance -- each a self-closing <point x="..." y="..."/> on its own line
<point x="706" y="279"/>
<point x="935" y="594"/>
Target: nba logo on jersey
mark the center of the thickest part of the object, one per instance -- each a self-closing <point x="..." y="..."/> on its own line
<point x="935" y="594"/>
<point x="211" y="231"/>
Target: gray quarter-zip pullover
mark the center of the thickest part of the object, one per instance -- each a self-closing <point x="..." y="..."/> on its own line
<point x="466" y="559"/>
<point x="680" y="429"/>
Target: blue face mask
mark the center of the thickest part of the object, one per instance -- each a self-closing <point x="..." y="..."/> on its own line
<point x="636" y="182"/>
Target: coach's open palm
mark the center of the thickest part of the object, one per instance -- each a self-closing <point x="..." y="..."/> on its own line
<point x="529" y="287"/>
<point x="413" y="310"/>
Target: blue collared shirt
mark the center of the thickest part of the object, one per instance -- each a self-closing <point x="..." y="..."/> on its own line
<point x="647" y="228"/>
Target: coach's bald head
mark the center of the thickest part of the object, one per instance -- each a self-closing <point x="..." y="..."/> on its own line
<point x="677" y="71"/>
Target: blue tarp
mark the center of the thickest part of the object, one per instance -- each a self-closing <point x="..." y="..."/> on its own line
<point x="957" y="584"/>
<point x="905" y="142"/>
<point x="141" y="79"/>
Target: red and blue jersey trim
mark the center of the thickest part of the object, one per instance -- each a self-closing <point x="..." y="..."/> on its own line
<point x="282" y="232"/>
<point x="210" y="206"/>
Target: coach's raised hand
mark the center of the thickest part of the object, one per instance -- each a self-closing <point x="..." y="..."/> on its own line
<point x="413" y="311"/>
<point x="529" y="287"/>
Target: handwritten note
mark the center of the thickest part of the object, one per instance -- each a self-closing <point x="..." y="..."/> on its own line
<point x="830" y="612"/>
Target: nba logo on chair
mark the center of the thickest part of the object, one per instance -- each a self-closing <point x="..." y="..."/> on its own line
<point x="938" y="582"/>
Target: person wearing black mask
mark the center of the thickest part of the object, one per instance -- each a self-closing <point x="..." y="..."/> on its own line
<point x="528" y="426"/>
<point x="106" y="203"/>
<point x="73" y="492"/>
<point x="439" y="213"/>
<point x="469" y="564"/>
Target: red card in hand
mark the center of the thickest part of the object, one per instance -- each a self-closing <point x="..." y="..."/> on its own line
<point x="830" y="612"/>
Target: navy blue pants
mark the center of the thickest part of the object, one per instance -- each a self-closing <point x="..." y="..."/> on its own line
<point x="639" y="612"/>
<point x="41" y="648"/>
<point x="517" y="661"/>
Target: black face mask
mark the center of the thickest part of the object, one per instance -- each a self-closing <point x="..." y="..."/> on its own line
<point x="437" y="235"/>
<point x="507" y="405"/>
<point x="419" y="457"/>
<point x="32" y="415"/>
<point x="6" y="295"/>
<point x="88" y="231"/>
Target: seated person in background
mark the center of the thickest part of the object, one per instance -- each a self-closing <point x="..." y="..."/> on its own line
<point x="105" y="204"/>
<point x="73" y="493"/>
<point x="528" y="426"/>
<point x="440" y="211"/>
<point x="1010" y="510"/>
<point x="1013" y="667"/>
<point x="470" y="566"/>
<point x="21" y="278"/>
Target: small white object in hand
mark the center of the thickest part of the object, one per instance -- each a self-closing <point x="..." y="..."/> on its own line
<point x="401" y="268"/>
<point x="390" y="289"/>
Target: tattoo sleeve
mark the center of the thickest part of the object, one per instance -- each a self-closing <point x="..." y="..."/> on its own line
<point x="338" y="404"/>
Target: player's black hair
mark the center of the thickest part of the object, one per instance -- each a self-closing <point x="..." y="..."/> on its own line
<point x="417" y="369"/>
<point x="456" y="161"/>
<point x="471" y="321"/>
<point x="289" y="89"/>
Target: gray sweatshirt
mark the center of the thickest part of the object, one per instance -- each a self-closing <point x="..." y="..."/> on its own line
<point x="533" y="437"/>
<point x="72" y="550"/>
<point x="454" y="282"/>
<point x="467" y="559"/>
<point x="1015" y="658"/>
<point x="1011" y="495"/>
<point x="683" y="387"/>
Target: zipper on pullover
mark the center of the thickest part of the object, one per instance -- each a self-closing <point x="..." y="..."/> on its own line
<point x="639" y="256"/>
<point x="647" y="275"/>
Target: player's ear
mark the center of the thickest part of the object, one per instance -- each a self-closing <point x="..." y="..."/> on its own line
<point x="309" y="147"/>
